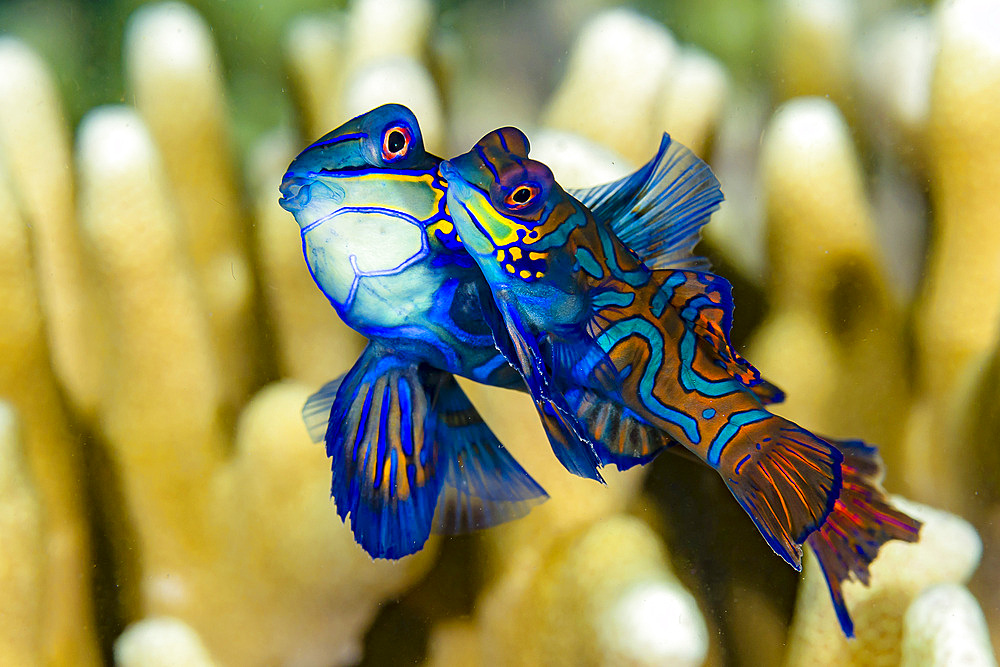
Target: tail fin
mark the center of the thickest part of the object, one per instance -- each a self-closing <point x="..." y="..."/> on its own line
<point x="862" y="521"/>
<point x="399" y="433"/>
<point x="787" y="479"/>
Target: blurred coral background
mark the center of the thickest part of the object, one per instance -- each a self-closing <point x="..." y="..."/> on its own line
<point x="160" y="500"/>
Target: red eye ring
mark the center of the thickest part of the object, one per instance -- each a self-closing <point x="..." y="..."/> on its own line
<point x="521" y="196"/>
<point x="396" y="143"/>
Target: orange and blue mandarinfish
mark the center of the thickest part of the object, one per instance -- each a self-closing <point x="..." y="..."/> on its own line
<point x="638" y="358"/>
<point x="408" y="450"/>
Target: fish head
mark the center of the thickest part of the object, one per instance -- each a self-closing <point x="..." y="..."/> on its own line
<point x="377" y="157"/>
<point x="506" y="205"/>
<point x="364" y="197"/>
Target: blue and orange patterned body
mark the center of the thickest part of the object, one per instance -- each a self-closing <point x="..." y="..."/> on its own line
<point x="632" y="359"/>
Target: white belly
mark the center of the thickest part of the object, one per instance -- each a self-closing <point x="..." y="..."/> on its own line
<point x="352" y="245"/>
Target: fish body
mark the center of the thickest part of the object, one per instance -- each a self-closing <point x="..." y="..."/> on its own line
<point x="408" y="450"/>
<point x="635" y="358"/>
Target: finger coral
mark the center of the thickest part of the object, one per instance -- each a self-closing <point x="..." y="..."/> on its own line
<point x="176" y="78"/>
<point x="160" y="499"/>
<point x="45" y="463"/>
<point x="21" y="575"/>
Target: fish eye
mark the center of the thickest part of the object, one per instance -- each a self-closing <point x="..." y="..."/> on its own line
<point x="396" y="143"/>
<point x="521" y="196"/>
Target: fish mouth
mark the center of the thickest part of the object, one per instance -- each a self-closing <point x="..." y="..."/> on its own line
<point x="452" y="175"/>
<point x="294" y="193"/>
<point x="300" y="194"/>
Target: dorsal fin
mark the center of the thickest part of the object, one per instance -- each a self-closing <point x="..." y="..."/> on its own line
<point x="705" y="304"/>
<point x="659" y="210"/>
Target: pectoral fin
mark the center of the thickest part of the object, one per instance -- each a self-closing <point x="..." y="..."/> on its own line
<point x="398" y="434"/>
<point x="483" y="484"/>
<point x="520" y="347"/>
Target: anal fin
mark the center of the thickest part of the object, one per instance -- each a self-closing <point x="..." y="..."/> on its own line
<point x="620" y="437"/>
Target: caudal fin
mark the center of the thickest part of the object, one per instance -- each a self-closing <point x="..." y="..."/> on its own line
<point x="787" y="479"/>
<point x="862" y="521"/>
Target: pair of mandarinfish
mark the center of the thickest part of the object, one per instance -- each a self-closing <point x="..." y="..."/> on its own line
<point x="591" y="300"/>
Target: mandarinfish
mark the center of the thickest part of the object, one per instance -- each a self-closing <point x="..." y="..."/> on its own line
<point x="637" y="357"/>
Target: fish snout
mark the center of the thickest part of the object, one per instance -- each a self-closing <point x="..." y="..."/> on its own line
<point x="310" y="196"/>
<point x="294" y="193"/>
<point x="462" y="170"/>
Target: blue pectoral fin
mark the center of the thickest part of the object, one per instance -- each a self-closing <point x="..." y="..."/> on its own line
<point x="483" y="484"/>
<point x="659" y="210"/>
<point x="405" y="444"/>
<point x="520" y="348"/>
<point x="316" y="411"/>
<point x="385" y="463"/>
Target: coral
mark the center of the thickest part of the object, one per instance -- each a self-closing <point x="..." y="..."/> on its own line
<point x="602" y="594"/>
<point x="160" y="641"/>
<point x="161" y="331"/>
<point x="176" y="78"/>
<point x="35" y="143"/>
<point x="613" y="81"/>
<point x="313" y="47"/>
<point x="958" y="314"/>
<point x="21" y="574"/>
<point x="945" y="626"/>
<point x="813" y="50"/>
<point x="51" y="454"/>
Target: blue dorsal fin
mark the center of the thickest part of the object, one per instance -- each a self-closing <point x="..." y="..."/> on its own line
<point x="400" y="435"/>
<point x="704" y="302"/>
<point x="659" y="210"/>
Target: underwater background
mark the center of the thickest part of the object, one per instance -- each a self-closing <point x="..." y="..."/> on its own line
<point x="160" y="500"/>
